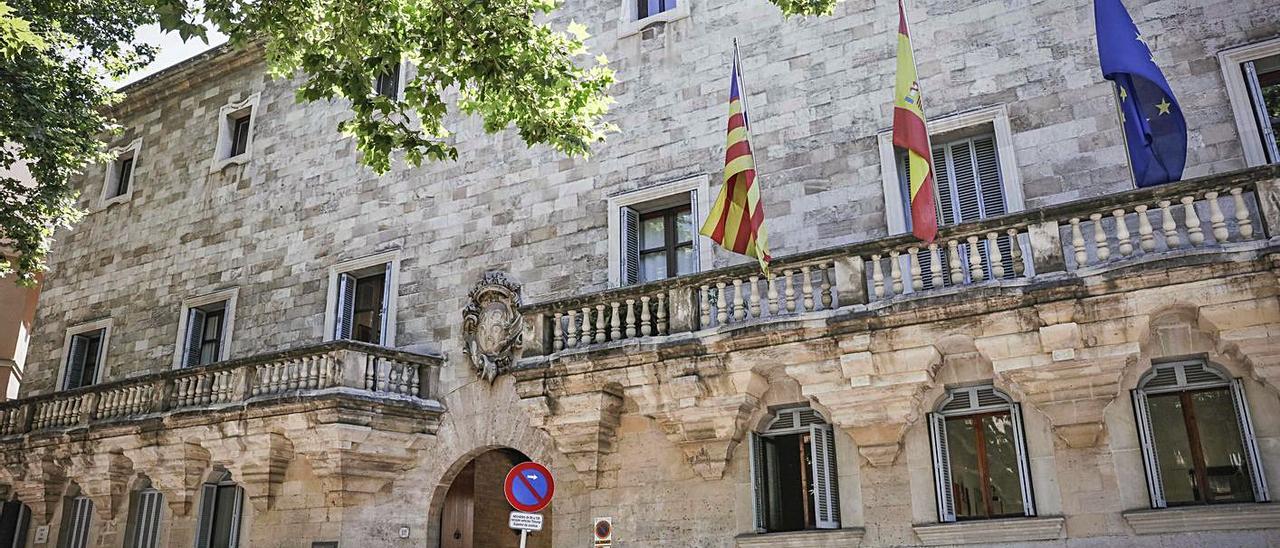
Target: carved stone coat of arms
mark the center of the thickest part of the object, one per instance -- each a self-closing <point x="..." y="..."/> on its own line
<point x="491" y="325"/>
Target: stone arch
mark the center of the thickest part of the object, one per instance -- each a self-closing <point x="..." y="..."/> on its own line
<point x="476" y="478"/>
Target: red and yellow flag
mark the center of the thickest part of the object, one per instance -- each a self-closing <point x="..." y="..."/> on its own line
<point x="910" y="134"/>
<point x="736" y="221"/>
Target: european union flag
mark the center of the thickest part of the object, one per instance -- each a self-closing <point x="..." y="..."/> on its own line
<point x="1153" y="124"/>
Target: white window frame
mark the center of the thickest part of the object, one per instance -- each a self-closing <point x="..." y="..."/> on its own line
<point x="997" y="116"/>
<point x="702" y="253"/>
<point x="391" y="258"/>
<point x="1238" y="95"/>
<point x="226" y="117"/>
<point x="228" y="322"/>
<point x="941" y="455"/>
<point x="1146" y="443"/>
<point x="821" y="432"/>
<point x="104" y="371"/>
<point x="111" y="180"/>
<point x="629" y="23"/>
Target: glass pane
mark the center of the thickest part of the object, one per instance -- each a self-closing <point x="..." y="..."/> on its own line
<point x="223" y="513"/>
<point x="652" y="235"/>
<point x="1002" y="465"/>
<point x="208" y="352"/>
<point x="92" y="355"/>
<point x="684" y="260"/>
<point x="1225" y="469"/>
<point x="1269" y="83"/>
<point x="1173" y="449"/>
<point x="366" y="323"/>
<point x="653" y="266"/>
<point x="966" y="477"/>
<point x="212" y="325"/>
<point x="684" y="226"/>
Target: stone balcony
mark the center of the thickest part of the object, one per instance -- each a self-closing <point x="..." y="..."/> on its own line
<point x="864" y="328"/>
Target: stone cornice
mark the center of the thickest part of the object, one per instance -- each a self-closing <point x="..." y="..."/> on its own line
<point x="1191" y="519"/>
<point x="990" y="531"/>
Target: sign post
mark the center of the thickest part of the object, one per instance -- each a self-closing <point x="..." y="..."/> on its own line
<point x="529" y="488"/>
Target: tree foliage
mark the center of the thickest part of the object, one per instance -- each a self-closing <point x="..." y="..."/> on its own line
<point x="498" y="59"/>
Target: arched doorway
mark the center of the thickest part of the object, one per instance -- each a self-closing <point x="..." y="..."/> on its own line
<point x="475" y="510"/>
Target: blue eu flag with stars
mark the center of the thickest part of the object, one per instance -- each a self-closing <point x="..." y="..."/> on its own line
<point x="1154" y="127"/>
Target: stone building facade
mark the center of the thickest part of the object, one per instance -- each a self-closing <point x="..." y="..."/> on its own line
<point x="503" y="307"/>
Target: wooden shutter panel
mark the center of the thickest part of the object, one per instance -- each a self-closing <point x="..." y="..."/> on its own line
<point x="346" y="306"/>
<point x="1250" y="443"/>
<point x="942" y="467"/>
<point x="1024" y="465"/>
<point x="822" y="449"/>
<point x="630" y="220"/>
<point x="75" y="532"/>
<point x="757" y="482"/>
<point x="133" y="527"/>
<point x="387" y="295"/>
<point x="151" y="501"/>
<point x="76" y="359"/>
<point x="1142" y="416"/>
<point x="195" y="333"/>
<point x="946" y="187"/>
<point x="204" y="525"/>
<point x="233" y="538"/>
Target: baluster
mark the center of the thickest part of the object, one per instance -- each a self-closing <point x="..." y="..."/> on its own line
<point x="370" y="373"/>
<point x="1122" y="233"/>
<point x="738" y="309"/>
<point x="662" y="314"/>
<point x="1194" y="233"/>
<point x="585" y="339"/>
<point x="1100" y="244"/>
<point x="754" y="303"/>
<point x="600" y="327"/>
<point x="789" y="290"/>
<point x="615" y="321"/>
<point x="1170" y="228"/>
<point x="722" y="313"/>
<point x="773" y="296"/>
<point x="877" y="276"/>
<point x="1216" y="219"/>
<point x="296" y="373"/>
<point x="917" y="273"/>
<point x="935" y="267"/>
<point x="631" y="318"/>
<point x="415" y="381"/>
<point x="646" y="327"/>
<point x="806" y="287"/>
<point x="1146" y="235"/>
<point x="997" y="258"/>
<point x="957" y="269"/>
<point x="824" y="271"/>
<point x="1015" y="252"/>
<point x="975" y="261"/>
<point x="557" y="333"/>
<point x="895" y="272"/>
<point x="1077" y="243"/>
<point x="1244" y="225"/>
<point x="572" y="340"/>
<point x="704" y="307"/>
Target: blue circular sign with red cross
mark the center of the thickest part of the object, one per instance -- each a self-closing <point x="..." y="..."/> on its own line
<point x="529" y="487"/>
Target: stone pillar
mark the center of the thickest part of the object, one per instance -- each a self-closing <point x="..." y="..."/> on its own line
<point x="1046" y="247"/>
<point x="850" y="280"/>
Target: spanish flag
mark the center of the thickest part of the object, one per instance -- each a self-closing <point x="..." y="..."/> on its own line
<point x="910" y="134"/>
<point x="736" y="221"/>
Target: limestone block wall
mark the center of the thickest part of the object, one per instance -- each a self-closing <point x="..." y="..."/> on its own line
<point x="819" y="94"/>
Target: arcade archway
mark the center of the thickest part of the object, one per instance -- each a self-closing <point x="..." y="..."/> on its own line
<point x="474" y="512"/>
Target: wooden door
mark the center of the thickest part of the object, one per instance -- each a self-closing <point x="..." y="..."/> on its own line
<point x="459" y="510"/>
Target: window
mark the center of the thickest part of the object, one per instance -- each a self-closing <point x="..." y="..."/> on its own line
<point x="979" y="456"/>
<point x="143" y="528"/>
<point x="1252" y="75"/>
<point x="77" y="513"/>
<point x="85" y="352"/>
<point x="362" y="307"/>
<point x="637" y="15"/>
<point x="15" y="519"/>
<point x="1196" y="437"/>
<point x="118" y="185"/>
<point x="387" y="84"/>
<point x="205" y="328"/>
<point x="235" y="133"/>
<point x="653" y="232"/>
<point x="793" y="464"/>
<point x="220" y="514"/>
<point x="649" y="8"/>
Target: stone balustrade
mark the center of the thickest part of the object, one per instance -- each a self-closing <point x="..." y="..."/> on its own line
<point x="1209" y="213"/>
<point x="338" y="366"/>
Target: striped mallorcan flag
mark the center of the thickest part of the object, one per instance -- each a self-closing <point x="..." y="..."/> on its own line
<point x="910" y="134"/>
<point x="736" y="221"/>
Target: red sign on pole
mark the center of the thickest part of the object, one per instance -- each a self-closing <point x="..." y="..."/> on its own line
<point x="529" y="487"/>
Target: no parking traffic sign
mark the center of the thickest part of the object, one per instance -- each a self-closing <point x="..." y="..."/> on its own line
<point x="529" y="487"/>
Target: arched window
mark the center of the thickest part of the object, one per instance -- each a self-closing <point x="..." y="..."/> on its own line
<point x="143" y="529"/>
<point x="793" y="463"/>
<point x="220" y="513"/>
<point x="1196" y="436"/>
<point x="15" y="519"/>
<point x="980" y="456"/>
<point x="77" y="514"/>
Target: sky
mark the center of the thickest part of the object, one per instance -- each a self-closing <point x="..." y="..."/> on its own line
<point x="172" y="50"/>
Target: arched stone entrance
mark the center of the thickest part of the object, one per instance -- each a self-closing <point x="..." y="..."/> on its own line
<point x="474" y="512"/>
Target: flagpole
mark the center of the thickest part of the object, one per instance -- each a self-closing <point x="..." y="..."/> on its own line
<point x="1124" y="135"/>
